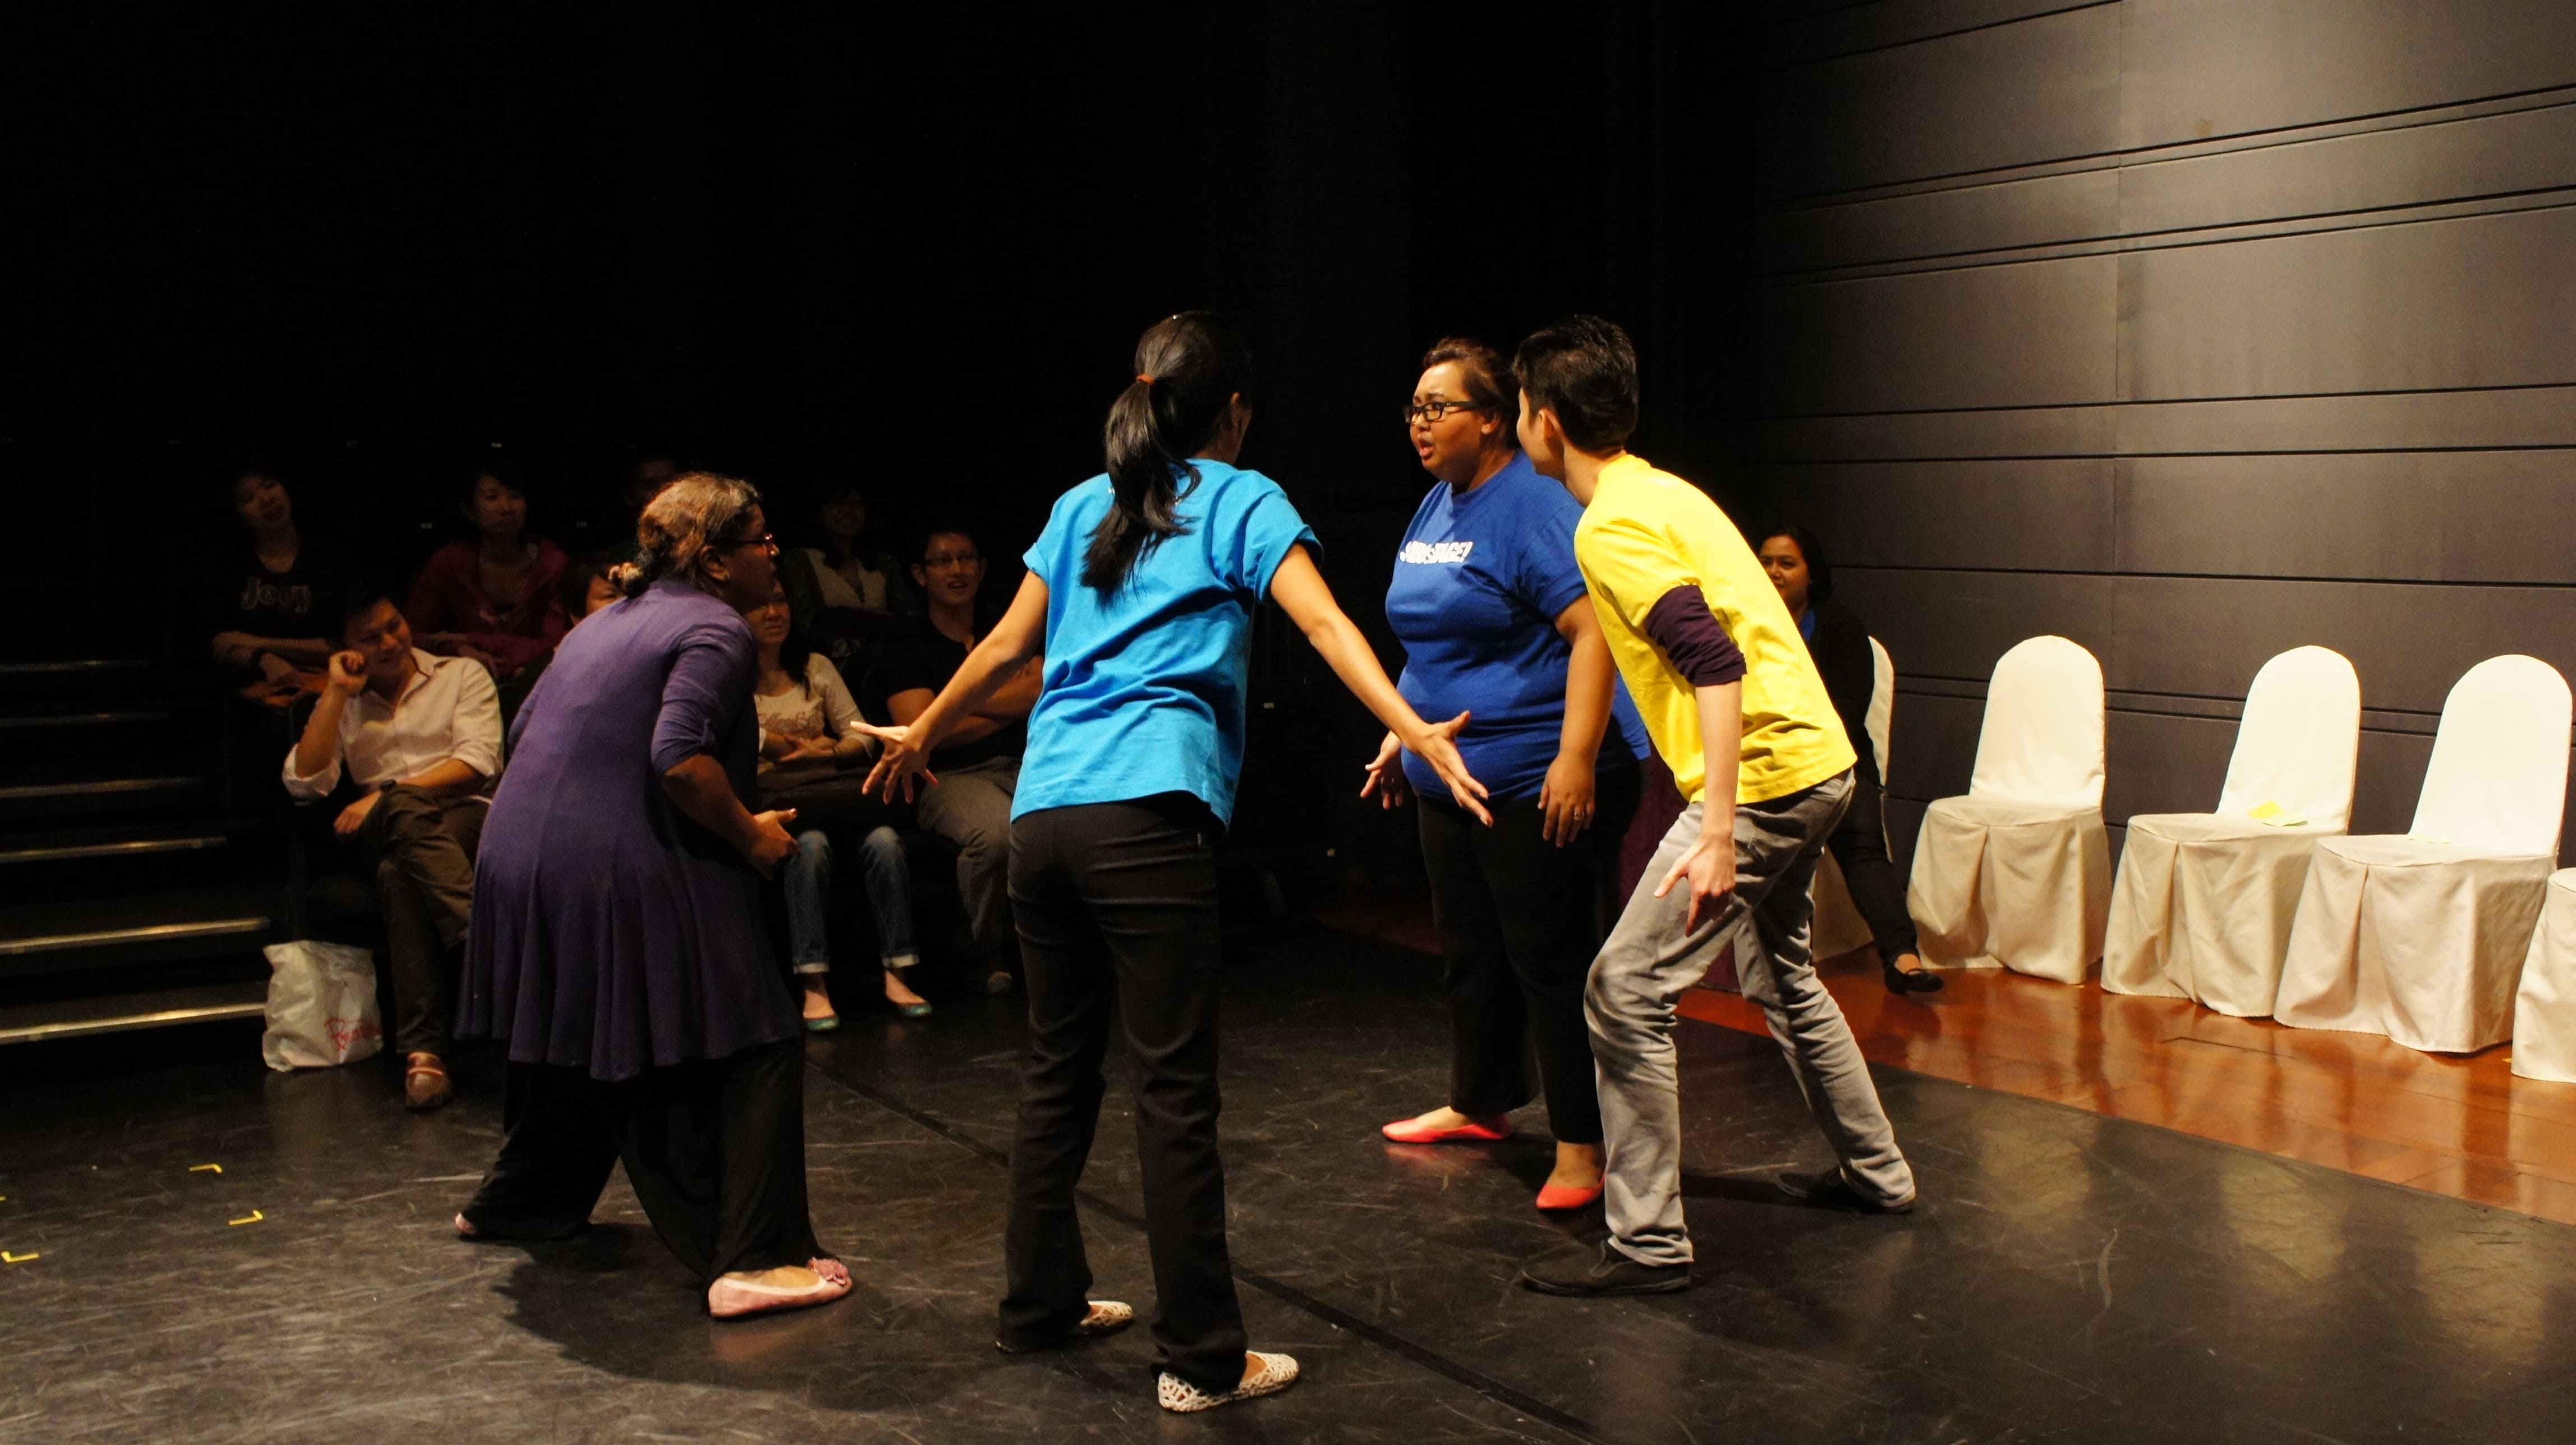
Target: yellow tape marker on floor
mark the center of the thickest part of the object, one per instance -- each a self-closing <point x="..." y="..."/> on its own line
<point x="255" y="1217"/>
<point x="202" y="1168"/>
<point x="7" y="1258"/>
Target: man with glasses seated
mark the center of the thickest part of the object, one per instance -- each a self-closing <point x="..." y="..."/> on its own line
<point x="978" y="763"/>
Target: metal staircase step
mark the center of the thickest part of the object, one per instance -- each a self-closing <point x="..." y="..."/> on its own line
<point x="67" y="852"/>
<point x="117" y="1013"/>
<point x="66" y="936"/>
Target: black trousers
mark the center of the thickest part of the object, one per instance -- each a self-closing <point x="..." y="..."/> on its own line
<point x="715" y="1151"/>
<point x="1519" y="920"/>
<point x="1859" y="846"/>
<point x="1116" y="908"/>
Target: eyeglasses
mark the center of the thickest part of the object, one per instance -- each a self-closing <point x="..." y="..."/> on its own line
<point x="944" y="559"/>
<point x="1435" y="409"/>
<point x="764" y="542"/>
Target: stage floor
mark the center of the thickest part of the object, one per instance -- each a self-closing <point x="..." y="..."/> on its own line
<point x="2069" y="1276"/>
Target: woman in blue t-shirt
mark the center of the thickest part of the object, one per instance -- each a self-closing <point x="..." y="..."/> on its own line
<point x="1141" y="593"/>
<point x="1495" y="623"/>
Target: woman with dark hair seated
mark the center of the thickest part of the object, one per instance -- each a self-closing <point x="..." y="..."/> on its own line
<point x="274" y="601"/>
<point x="1839" y="642"/>
<point x="617" y="948"/>
<point x="492" y="598"/>
<point x="851" y="595"/>
<point x="810" y="731"/>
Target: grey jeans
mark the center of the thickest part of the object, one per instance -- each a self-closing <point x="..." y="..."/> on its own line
<point x="1651" y="957"/>
<point x="971" y="807"/>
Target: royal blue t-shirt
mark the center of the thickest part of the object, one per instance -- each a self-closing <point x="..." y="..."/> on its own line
<point x="1479" y="581"/>
<point x="1144" y="690"/>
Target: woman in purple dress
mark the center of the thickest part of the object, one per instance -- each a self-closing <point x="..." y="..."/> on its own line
<point x="617" y="945"/>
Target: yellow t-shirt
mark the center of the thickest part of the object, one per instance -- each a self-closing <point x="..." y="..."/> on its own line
<point x="1648" y="532"/>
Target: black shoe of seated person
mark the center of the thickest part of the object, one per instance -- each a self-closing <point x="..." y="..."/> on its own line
<point x="1602" y="1270"/>
<point x="1826" y="1188"/>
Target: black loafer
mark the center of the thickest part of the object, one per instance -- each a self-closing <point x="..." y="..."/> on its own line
<point x="1604" y="1271"/>
<point x="1828" y="1189"/>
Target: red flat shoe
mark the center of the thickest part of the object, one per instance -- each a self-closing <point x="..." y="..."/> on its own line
<point x="1557" y="1196"/>
<point x="1408" y="1131"/>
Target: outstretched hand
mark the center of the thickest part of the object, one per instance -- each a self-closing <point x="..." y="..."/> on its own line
<point x="899" y="762"/>
<point x="1438" y="746"/>
<point x="1386" y="780"/>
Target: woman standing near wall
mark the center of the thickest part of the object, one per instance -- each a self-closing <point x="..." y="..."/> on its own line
<point x="1141" y="593"/>
<point x="1839" y="642"/>
<point x="1495" y="623"/>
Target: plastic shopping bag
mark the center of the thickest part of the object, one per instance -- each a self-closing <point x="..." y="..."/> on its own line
<point x="321" y="1006"/>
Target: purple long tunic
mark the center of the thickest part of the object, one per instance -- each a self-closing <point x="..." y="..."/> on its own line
<point x="611" y="934"/>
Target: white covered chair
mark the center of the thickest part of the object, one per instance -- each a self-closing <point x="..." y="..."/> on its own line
<point x="2018" y="872"/>
<point x="2544" y="1008"/>
<point x="1839" y="928"/>
<point x="2203" y="902"/>
<point x="2421" y="935"/>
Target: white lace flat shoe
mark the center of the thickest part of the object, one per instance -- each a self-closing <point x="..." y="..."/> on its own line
<point x="1107" y="1317"/>
<point x="1272" y="1374"/>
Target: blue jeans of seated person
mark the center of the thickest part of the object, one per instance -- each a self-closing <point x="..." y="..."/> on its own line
<point x="882" y="871"/>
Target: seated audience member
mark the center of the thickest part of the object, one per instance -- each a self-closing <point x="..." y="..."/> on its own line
<point x="587" y="586"/>
<point x="809" y="732"/>
<point x="850" y="595"/>
<point x="418" y="736"/>
<point x="1839" y="642"/>
<point x="272" y="612"/>
<point x="492" y="599"/>
<point x="978" y="762"/>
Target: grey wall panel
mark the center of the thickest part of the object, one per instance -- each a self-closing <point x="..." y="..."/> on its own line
<point x="2536" y="416"/>
<point x="2203" y="636"/>
<point x="2414" y="165"/>
<point x="2057" y="431"/>
<point x="2389" y="775"/>
<point x="2501" y="516"/>
<point x="2040" y="211"/>
<point x="2032" y="335"/>
<point x="2042" y="89"/>
<point x="2479" y="301"/>
<point x="1824" y="31"/>
<point x="1955" y="624"/>
<point x="1932" y="744"/>
<point x="2050" y="516"/>
<point x="2198" y="68"/>
<point x="2163" y="764"/>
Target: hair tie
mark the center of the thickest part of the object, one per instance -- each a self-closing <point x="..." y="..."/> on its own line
<point x="1146" y="377"/>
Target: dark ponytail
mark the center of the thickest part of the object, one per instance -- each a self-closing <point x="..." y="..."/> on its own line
<point x="1188" y="369"/>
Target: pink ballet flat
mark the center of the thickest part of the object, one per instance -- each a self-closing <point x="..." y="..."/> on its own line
<point x="1408" y="1131"/>
<point x="1557" y="1196"/>
<point x="730" y="1298"/>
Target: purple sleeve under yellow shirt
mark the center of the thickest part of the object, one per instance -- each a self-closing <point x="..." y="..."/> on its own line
<point x="1647" y="533"/>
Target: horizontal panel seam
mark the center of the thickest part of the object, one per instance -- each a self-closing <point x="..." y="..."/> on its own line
<point x="2509" y="386"/>
<point x="2112" y="575"/>
<point x="1788" y="66"/>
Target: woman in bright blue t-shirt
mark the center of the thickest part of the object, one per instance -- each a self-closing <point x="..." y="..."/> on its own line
<point x="1496" y="624"/>
<point x="1141" y="593"/>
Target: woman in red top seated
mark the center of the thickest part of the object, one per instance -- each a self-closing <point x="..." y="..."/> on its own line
<point x="493" y="598"/>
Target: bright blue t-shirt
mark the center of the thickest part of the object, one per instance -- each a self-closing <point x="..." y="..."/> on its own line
<point x="1144" y="691"/>
<point x="1479" y="580"/>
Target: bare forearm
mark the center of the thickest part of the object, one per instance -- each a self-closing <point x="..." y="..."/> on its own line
<point x="1721" y="732"/>
<point x="699" y="788"/>
<point x="321" y="739"/>
<point x="307" y="652"/>
<point x="450" y="779"/>
<point x="1588" y="675"/>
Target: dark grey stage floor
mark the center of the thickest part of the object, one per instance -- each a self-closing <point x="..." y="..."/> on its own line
<point x="2069" y="1277"/>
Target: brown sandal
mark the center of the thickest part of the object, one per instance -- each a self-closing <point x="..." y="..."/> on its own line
<point x="425" y="1085"/>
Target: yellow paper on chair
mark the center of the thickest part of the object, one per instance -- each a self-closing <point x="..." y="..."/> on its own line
<point x="2273" y="814"/>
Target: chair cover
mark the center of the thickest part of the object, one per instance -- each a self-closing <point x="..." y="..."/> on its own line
<point x="2204" y="901"/>
<point x="2018" y="872"/>
<point x="2544" y="1010"/>
<point x="2421" y="935"/>
<point x="1839" y="928"/>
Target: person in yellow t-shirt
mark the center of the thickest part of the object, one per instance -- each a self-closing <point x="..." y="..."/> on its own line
<point x="1731" y="698"/>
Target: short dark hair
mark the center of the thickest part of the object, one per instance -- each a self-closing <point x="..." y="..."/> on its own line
<point x="1585" y="370"/>
<point x="1820" y="573"/>
<point x="361" y="599"/>
<point x="572" y="589"/>
<point x="944" y="527"/>
<point x="500" y="468"/>
<point x="1489" y="377"/>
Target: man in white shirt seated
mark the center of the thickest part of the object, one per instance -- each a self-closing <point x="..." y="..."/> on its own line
<point x="421" y="735"/>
